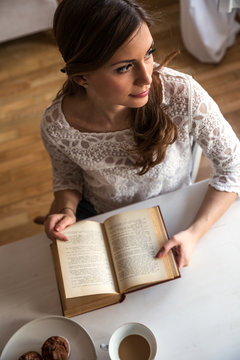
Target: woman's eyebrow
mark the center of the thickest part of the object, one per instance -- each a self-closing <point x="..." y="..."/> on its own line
<point x="123" y="61"/>
<point x="130" y="60"/>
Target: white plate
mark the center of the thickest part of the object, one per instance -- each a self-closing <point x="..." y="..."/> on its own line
<point x="32" y="335"/>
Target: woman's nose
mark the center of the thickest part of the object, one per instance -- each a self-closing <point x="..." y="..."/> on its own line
<point x="144" y="74"/>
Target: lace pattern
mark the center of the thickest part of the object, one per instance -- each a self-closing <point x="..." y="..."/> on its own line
<point x="100" y="166"/>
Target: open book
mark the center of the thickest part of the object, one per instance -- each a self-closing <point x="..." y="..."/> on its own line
<point x="102" y="262"/>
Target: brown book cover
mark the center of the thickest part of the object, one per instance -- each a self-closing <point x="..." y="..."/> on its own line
<point x="101" y="263"/>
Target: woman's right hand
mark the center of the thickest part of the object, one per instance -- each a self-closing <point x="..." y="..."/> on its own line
<point x="55" y="223"/>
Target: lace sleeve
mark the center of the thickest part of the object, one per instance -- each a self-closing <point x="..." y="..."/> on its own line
<point x="217" y="139"/>
<point x="66" y="174"/>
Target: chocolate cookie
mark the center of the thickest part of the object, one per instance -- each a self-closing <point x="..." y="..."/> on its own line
<point x="31" y="355"/>
<point x="55" y="347"/>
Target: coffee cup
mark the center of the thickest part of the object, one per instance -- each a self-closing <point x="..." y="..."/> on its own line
<point x="132" y="341"/>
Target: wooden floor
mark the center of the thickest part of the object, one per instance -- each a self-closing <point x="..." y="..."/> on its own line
<point x="30" y="78"/>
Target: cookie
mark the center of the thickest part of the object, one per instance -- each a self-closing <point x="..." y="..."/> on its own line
<point x="30" y="355"/>
<point x="56" y="347"/>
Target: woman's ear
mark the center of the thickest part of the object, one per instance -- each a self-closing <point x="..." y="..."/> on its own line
<point x="80" y="80"/>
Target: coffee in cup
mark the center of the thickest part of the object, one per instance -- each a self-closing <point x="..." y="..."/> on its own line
<point x="132" y="341"/>
<point x="134" y="347"/>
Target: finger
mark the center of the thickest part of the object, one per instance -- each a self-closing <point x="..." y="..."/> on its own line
<point x="51" y="236"/>
<point x="55" y="224"/>
<point x="52" y="221"/>
<point x="63" y="223"/>
<point x="182" y="261"/>
<point x="165" y="249"/>
<point x="60" y="236"/>
<point x="50" y="228"/>
<point x="54" y="235"/>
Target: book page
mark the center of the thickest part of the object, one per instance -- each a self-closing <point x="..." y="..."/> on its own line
<point x="84" y="261"/>
<point x="135" y="238"/>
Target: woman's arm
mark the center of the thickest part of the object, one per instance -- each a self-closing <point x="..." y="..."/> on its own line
<point x="213" y="207"/>
<point x="62" y="213"/>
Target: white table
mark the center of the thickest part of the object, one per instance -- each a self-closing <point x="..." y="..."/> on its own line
<point x="195" y="317"/>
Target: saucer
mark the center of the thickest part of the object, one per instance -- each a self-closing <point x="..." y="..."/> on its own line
<point x="32" y="335"/>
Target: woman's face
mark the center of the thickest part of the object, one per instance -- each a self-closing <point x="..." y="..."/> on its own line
<point x="125" y="80"/>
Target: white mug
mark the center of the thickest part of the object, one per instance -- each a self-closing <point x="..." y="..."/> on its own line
<point x="123" y="332"/>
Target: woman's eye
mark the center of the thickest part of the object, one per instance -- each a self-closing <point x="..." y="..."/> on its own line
<point x="124" y="69"/>
<point x="150" y="51"/>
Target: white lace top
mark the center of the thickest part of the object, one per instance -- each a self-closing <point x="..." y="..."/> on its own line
<point x="101" y="168"/>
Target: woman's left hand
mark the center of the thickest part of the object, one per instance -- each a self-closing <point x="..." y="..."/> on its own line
<point x="183" y="243"/>
<point x="212" y="208"/>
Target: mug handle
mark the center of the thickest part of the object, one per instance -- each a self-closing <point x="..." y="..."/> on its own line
<point x="104" y="347"/>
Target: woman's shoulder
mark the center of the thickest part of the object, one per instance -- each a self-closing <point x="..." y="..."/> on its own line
<point x="53" y="124"/>
<point x="53" y="120"/>
<point x="173" y="78"/>
<point x="178" y="86"/>
<point x="53" y="112"/>
<point x="170" y="73"/>
<point x="175" y="85"/>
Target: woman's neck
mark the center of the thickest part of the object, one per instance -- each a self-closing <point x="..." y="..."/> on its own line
<point x="112" y="120"/>
<point x="82" y="114"/>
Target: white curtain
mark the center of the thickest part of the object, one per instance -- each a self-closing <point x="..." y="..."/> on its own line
<point x="207" y="32"/>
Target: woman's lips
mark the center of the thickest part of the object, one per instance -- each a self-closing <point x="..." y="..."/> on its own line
<point x="141" y="95"/>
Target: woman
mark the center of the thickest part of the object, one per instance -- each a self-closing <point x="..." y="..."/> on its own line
<point x="120" y="129"/>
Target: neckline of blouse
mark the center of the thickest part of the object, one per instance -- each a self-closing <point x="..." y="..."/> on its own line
<point x="66" y="123"/>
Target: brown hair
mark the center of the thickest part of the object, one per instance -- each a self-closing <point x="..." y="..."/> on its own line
<point x="88" y="33"/>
